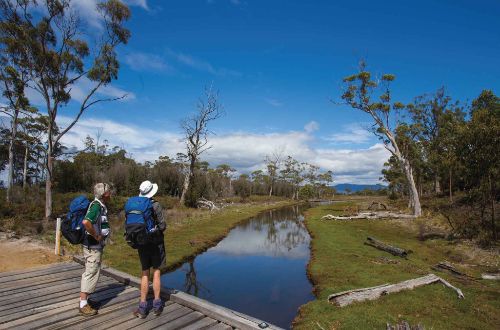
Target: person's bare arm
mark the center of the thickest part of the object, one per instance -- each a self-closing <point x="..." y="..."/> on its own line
<point x="90" y="229"/>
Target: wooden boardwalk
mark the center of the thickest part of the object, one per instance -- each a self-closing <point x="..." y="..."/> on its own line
<point x="47" y="298"/>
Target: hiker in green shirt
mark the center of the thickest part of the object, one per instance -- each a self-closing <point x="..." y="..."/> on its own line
<point x="97" y="229"/>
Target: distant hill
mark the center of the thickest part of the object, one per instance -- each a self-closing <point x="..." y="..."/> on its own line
<point x="341" y="188"/>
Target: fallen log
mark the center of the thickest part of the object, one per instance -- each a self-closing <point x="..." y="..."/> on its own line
<point x="444" y="265"/>
<point x="370" y="215"/>
<point x="377" y="206"/>
<point x="345" y="298"/>
<point x="488" y="276"/>
<point x="387" y="248"/>
<point x="205" y="203"/>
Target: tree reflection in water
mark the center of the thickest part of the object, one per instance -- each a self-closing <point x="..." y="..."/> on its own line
<point x="284" y="230"/>
<point x="191" y="284"/>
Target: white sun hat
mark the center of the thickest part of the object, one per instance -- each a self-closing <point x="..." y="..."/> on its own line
<point x="148" y="189"/>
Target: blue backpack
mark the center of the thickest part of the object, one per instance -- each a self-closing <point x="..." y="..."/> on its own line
<point x="71" y="226"/>
<point x="139" y="223"/>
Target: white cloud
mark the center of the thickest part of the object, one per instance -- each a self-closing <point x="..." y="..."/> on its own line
<point x="312" y="126"/>
<point x="87" y="10"/>
<point x="200" y="65"/>
<point x="146" y="62"/>
<point x="82" y="87"/>
<point x="274" y="102"/>
<point x="242" y="150"/>
<point x="140" y="3"/>
<point x="353" y="133"/>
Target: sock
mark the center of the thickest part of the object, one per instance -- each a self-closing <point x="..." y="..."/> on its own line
<point x="83" y="303"/>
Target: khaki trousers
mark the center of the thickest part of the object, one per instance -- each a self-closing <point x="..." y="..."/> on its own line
<point x="92" y="269"/>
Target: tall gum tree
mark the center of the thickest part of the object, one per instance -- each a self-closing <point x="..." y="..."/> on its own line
<point x="49" y="38"/>
<point x="374" y="98"/>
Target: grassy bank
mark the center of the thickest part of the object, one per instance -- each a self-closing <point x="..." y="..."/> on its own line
<point x="189" y="233"/>
<point x="340" y="261"/>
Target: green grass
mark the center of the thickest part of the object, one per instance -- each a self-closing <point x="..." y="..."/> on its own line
<point x="340" y="261"/>
<point x="185" y="237"/>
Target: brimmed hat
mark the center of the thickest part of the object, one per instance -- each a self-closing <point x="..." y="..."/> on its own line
<point x="148" y="189"/>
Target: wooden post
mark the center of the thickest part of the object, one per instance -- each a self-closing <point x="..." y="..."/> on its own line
<point x="57" y="250"/>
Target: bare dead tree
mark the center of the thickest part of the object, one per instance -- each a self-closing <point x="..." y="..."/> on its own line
<point x="196" y="132"/>
<point x="273" y="163"/>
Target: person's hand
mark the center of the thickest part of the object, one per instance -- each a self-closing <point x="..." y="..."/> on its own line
<point x="99" y="238"/>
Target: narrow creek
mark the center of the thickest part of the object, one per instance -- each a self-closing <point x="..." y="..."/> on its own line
<point x="259" y="268"/>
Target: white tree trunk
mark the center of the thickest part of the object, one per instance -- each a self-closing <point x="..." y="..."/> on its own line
<point x="10" y="179"/>
<point x="25" y="168"/>
<point x="48" y="188"/>
<point x="187" y="181"/>
<point x="415" y="200"/>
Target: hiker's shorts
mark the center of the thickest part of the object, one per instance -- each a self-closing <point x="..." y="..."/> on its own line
<point x="152" y="256"/>
<point x="92" y="269"/>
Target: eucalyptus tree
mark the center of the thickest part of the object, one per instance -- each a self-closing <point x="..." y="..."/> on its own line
<point x="13" y="80"/>
<point x="293" y="173"/>
<point x="273" y="164"/>
<point x="434" y="119"/>
<point x="373" y="96"/>
<point x="196" y="133"/>
<point x="49" y="38"/>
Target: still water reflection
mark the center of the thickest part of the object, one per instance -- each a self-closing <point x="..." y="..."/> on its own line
<point x="259" y="269"/>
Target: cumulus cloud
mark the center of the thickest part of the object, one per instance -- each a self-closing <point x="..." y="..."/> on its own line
<point x="352" y="133"/>
<point x="242" y="150"/>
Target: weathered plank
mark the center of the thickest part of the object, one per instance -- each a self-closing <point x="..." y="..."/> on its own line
<point x="46" y="271"/>
<point x="9" y="286"/>
<point x="27" y="288"/>
<point x="104" y="315"/>
<point x="164" y="318"/>
<point x="47" y="293"/>
<point x="220" y="326"/>
<point x="47" y="301"/>
<point x="183" y="321"/>
<point x="201" y="324"/>
<point x="220" y="313"/>
<point x="35" y="269"/>
<point x="152" y="321"/>
<point x="50" y="314"/>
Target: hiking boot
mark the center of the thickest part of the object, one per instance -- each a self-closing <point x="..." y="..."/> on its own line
<point x="94" y="304"/>
<point x="157" y="306"/>
<point x="87" y="310"/>
<point x="142" y="311"/>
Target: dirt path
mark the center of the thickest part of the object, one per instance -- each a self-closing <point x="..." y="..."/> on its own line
<point x="25" y="252"/>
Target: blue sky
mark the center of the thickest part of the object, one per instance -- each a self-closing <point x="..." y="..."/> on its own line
<point x="277" y="64"/>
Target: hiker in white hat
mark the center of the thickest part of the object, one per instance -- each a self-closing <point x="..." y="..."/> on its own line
<point x="152" y="255"/>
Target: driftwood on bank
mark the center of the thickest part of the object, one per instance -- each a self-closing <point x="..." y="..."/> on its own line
<point x="345" y="298"/>
<point x="377" y="206"/>
<point x="488" y="276"/>
<point x="205" y="203"/>
<point x="403" y="325"/>
<point x="370" y="215"/>
<point x="444" y="265"/>
<point x="386" y="247"/>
